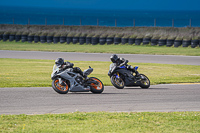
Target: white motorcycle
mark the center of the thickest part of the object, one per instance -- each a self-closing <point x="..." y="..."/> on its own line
<point x="67" y="80"/>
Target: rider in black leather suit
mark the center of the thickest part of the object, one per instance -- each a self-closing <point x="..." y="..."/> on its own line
<point x="122" y="62"/>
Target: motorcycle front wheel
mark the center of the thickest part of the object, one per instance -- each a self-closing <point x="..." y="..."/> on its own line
<point x="117" y="82"/>
<point x="61" y="89"/>
<point x="144" y="81"/>
<point x="96" y="88"/>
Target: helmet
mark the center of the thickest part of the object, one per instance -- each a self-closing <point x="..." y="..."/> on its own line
<point x="114" y="58"/>
<point x="59" y="62"/>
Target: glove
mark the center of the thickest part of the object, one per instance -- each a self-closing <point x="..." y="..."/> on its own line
<point x="71" y="64"/>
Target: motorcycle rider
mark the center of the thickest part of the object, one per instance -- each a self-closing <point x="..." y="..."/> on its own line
<point x="122" y="62"/>
<point x="62" y="65"/>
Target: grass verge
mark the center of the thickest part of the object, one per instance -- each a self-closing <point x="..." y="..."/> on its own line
<point x="122" y="49"/>
<point x="168" y="122"/>
<point x="37" y="73"/>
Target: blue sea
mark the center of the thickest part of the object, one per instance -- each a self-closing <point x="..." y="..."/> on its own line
<point x="120" y="18"/>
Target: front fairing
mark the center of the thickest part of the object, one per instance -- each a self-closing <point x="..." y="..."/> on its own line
<point x="111" y="68"/>
<point x="55" y="70"/>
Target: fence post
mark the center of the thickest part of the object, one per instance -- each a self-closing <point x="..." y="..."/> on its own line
<point x="190" y="22"/>
<point x="133" y="22"/>
<point x="13" y="21"/>
<point x="115" y="23"/>
<point x="172" y="22"/>
<point x="154" y="22"/>
<point x="97" y="22"/>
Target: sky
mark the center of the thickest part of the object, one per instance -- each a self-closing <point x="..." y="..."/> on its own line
<point x="108" y="4"/>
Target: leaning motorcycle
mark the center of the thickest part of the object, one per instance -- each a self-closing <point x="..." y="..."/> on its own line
<point x="67" y="80"/>
<point x="121" y="76"/>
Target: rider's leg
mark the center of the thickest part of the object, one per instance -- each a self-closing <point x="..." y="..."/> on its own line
<point x="78" y="70"/>
<point x="129" y="67"/>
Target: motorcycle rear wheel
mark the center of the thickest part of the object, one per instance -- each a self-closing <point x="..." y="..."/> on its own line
<point x="144" y="82"/>
<point x="117" y="82"/>
<point x="96" y="88"/>
<point x="60" y="88"/>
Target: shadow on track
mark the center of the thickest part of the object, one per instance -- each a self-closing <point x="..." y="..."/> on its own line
<point x="106" y="93"/>
<point x="136" y="88"/>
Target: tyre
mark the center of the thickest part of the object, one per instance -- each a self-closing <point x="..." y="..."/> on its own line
<point x="154" y="42"/>
<point x="60" y="88"/>
<point x="56" y="39"/>
<point x="82" y="40"/>
<point x="88" y="40"/>
<point x="124" y="40"/>
<point x="110" y="40"/>
<point x="17" y="38"/>
<point x="170" y="42"/>
<point x="5" y="37"/>
<point x="194" y="43"/>
<point x="96" y="88"/>
<point x="11" y="38"/>
<point x="146" y="41"/>
<point x="186" y="43"/>
<point x="36" y="39"/>
<point x="30" y="39"/>
<point x="177" y="43"/>
<point x="69" y="40"/>
<point x="1" y="37"/>
<point x="62" y="39"/>
<point x="117" y="82"/>
<point x="138" y="41"/>
<point x="75" y="40"/>
<point x="95" y="40"/>
<point x="43" y="39"/>
<point x="131" y="40"/>
<point x="24" y="38"/>
<point x="117" y="40"/>
<point x="162" y="42"/>
<point x="49" y="39"/>
<point x="144" y="81"/>
<point x="102" y="40"/>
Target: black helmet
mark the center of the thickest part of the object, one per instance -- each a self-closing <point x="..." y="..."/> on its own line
<point x="59" y="62"/>
<point x="114" y="58"/>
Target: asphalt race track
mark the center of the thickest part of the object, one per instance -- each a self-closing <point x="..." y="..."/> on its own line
<point x="163" y="59"/>
<point x="158" y="98"/>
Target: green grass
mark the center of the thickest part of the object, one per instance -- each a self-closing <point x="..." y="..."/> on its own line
<point x="37" y="73"/>
<point x="145" y="122"/>
<point x="123" y="49"/>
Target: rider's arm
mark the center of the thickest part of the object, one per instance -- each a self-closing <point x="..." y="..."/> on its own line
<point x="123" y="62"/>
<point x="68" y="65"/>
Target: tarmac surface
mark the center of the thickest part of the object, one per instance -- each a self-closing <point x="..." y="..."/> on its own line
<point x="158" y="98"/>
<point x="72" y="56"/>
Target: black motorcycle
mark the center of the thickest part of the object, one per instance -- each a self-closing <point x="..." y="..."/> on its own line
<point x="68" y="80"/>
<point x="121" y="76"/>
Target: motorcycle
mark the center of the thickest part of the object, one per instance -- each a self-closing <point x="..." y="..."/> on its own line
<point x="67" y="80"/>
<point x="121" y="76"/>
